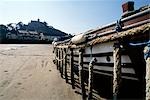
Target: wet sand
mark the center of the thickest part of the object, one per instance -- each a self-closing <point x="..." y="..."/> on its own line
<point x="27" y="72"/>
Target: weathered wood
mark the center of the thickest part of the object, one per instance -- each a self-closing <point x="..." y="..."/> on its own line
<point x="59" y="57"/>
<point x="72" y="70"/>
<point x="90" y="81"/>
<point x="81" y="74"/>
<point x="117" y="70"/>
<point x="62" y="62"/>
<point x="147" y="77"/>
<point x="71" y="46"/>
<point x="65" y="62"/>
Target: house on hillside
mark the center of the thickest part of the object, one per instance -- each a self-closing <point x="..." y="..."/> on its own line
<point x="28" y="35"/>
<point x="10" y="35"/>
<point x="3" y="31"/>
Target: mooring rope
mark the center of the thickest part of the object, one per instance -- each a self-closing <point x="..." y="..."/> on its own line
<point x="90" y="84"/>
<point x="90" y="81"/>
<point x="147" y="77"/>
<point x="117" y="70"/>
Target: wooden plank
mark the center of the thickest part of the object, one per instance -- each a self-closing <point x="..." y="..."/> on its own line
<point x="107" y="59"/>
<point x="110" y="74"/>
<point x="100" y="48"/>
<point x="81" y="74"/>
<point x="71" y="66"/>
<point x="66" y="76"/>
<point x="57" y="57"/>
<point x="96" y="55"/>
<point x="62" y="62"/>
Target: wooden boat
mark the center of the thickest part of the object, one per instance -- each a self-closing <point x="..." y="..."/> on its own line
<point x="119" y="69"/>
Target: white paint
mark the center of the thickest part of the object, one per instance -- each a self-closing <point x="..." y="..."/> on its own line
<point x="78" y="39"/>
<point x="124" y="59"/>
<point x="100" y="48"/>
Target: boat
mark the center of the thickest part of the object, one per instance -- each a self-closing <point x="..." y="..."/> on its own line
<point x="110" y="59"/>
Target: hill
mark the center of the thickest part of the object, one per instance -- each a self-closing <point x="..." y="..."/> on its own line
<point x="41" y="27"/>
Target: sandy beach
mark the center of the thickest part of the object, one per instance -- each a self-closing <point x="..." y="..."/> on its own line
<point x="27" y="72"/>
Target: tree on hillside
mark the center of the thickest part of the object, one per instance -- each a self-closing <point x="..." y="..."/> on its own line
<point x="13" y="27"/>
<point x="19" y="25"/>
<point x="3" y="31"/>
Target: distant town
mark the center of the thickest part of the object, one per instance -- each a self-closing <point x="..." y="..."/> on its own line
<point x="34" y="32"/>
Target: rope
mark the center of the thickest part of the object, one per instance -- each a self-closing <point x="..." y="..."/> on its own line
<point x="63" y="57"/>
<point x="147" y="77"/>
<point x="147" y="52"/>
<point x="65" y="54"/>
<point x="90" y="84"/>
<point x="117" y="70"/>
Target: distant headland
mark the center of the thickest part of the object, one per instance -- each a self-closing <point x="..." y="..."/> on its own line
<point x="34" y="32"/>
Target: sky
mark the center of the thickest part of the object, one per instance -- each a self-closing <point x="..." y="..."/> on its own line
<point x="70" y="16"/>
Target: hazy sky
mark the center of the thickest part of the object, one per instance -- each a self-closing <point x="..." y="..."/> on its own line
<point x="71" y="16"/>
